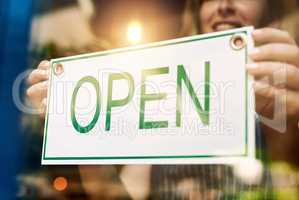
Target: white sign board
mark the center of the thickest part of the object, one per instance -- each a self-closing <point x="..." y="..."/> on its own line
<point x="179" y="101"/>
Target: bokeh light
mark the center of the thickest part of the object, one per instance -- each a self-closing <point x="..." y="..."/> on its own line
<point x="60" y="183"/>
<point x="134" y="32"/>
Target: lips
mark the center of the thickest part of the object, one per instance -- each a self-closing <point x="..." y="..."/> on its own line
<point x="226" y="25"/>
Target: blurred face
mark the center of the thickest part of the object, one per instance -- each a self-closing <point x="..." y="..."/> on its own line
<point x="220" y="15"/>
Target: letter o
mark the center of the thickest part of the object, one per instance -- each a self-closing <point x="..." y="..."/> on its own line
<point x="76" y="125"/>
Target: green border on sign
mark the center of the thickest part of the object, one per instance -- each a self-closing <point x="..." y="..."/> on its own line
<point x="154" y="45"/>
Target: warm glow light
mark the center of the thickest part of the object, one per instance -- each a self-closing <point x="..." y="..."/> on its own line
<point x="60" y="183"/>
<point x="134" y="32"/>
<point x="249" y="171"/>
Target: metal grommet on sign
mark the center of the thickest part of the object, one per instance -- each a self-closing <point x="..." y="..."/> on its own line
<point x="238" y="41"/>
<point x="58" y="69"/>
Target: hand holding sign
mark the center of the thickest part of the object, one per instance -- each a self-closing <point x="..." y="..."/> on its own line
<point x="276" y="70"/>
<point x="38" y="86"/>
<point x="277" y="56"/>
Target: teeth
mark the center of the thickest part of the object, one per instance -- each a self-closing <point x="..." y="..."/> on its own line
<point x="223" y="27"/>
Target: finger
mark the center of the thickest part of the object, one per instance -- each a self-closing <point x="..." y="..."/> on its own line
<point x="45" y="64"/>
<point x="276" y="52"/>
<point x="43" y="108"/>
<point x="279" y="96"/>
<point x="281" y="73"/>
<point x="272" y="35"/>
<point x="38" y="91"/>
<point x="38" y="75"/>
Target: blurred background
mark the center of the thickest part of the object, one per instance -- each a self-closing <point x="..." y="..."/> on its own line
<point x="33" y="30"/>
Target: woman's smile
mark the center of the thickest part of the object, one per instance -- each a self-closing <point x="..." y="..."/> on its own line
<point x="225" y="24"/>
<point x="224" y="15"/>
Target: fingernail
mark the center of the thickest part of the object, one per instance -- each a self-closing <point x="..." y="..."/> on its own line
<point x="251" y="66"/>
<point x="44" y="102"/>
<point x="46" y="83"/>
<point x="260" y="85"/>
<point x="256" y="32"/>
<point x="45" y="62"/>
<point x="254" y="52"/>
<point x="45" y="72"/>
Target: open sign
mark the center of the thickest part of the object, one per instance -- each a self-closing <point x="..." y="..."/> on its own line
<point x="180" y="101"/>
<point x="182" y="77"/>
